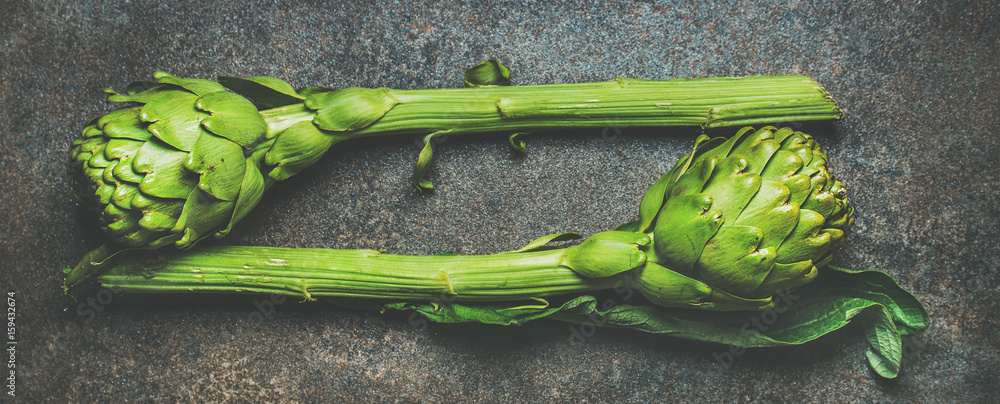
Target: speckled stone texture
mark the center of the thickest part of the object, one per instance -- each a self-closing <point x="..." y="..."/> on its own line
<point x="918" y="151"/>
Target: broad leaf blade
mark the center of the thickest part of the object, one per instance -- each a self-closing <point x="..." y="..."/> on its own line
<point x="268" y="91"/>
<point x="502" y="314"/>
<point x="825" y="305"/>
<point x="541" y="242"/>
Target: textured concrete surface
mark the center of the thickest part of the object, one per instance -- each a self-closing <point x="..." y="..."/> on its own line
<point x="918" y="152"/>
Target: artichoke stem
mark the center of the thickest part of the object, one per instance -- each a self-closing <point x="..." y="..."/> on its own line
<point x="313" y="273"/>
<point x="93" y="263"/>
<point x="708" y="102"/>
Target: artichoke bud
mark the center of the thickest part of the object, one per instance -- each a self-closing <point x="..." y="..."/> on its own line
<point x="174" y="168"/>
<point x="607" y="253"/>
<point x="487" y="73"/>
<point x="349" y="109"/>
<point x="741" y="219"/>
<point x="190" y="159"/>
<point x="669" y="288"/>
<point x="297" y="148"/>
<point x="337" y="111"/>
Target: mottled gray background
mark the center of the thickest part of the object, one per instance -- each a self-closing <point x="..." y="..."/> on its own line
<point x="918" y="151"/>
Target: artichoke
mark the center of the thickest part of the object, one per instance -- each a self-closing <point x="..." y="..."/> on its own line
<point x="184" y="163"/>
<point x="740" y="220"/>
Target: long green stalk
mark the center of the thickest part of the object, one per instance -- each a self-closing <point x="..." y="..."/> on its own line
<point x="312" y="273"/>
<point x="707" y="102"/>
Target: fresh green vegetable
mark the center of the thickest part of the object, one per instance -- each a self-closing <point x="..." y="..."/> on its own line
<point x="740" y="228"/>
<point x="189" y="159"/>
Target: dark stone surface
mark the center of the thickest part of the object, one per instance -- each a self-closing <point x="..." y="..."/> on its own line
<point x="918" y="151"/>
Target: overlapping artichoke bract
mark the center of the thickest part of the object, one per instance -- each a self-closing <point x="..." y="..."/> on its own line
<point x="183" y="164"/>
<point x="192" y="158"/>
<point x="741" y="220"/>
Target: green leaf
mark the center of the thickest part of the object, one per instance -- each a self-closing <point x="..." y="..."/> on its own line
<point x="93" y="263"/>
<point x="655" y="197"/>
<point x="197" y="86"/>
<point x="163" y="169"/>
<point x="684" y="229"/>
<point x="221" y="166"/>
<point x="202" y="215"/>
<point x="816" y="309"/>
<point x="156" y="221"/>
<point x="607" y="253"/>
<point x="886" y="349"/>
<point x="424" y="164"/>
<point x="487" y="73"/>
<point x="540" y="242"/>
<point x="652" y="201"/>
<point x="632" y="226"/>
<point x="502" y="314"/>
<point x="297" y="148"/>
<point x="136" y="87"/>
<point x="124" y="124"/>
<point x="310" y="90"/>
<point x="173" y="118"/>
<point x="267" y="91"/>
<point x="349" y="109"/>
<point x="515" y="142"/>
<point x="233" y="117"/>
<point x="250" y="193"/>
<point x="668" y="288"/>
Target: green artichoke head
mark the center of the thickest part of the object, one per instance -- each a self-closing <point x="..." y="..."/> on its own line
<point x="189" y="158"/>
<point x="184" y="162"/>
<point x="741" y="220"/>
